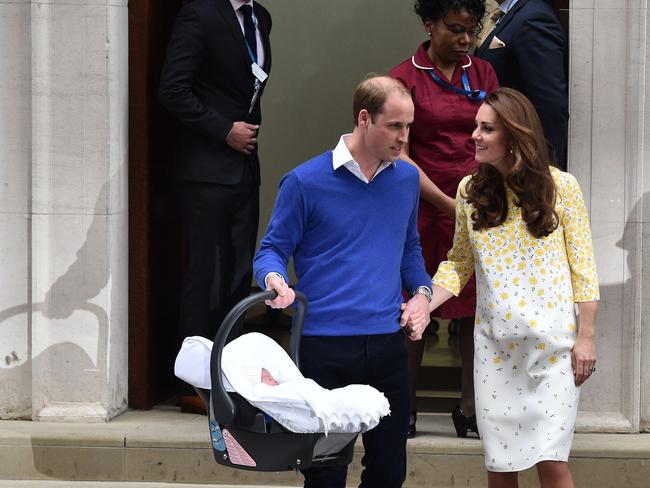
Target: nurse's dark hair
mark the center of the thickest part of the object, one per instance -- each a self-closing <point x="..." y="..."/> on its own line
<point x="436" y="9"/>
<point x="529" y="178"/>
<point x="372" y="92"/>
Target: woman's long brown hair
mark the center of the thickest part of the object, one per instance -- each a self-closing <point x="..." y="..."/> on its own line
<point x="530" y="177"/>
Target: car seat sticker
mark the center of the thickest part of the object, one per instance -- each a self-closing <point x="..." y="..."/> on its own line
<point x="237" y="453"/>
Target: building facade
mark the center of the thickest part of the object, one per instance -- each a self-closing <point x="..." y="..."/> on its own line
<point x="64" y="182"/>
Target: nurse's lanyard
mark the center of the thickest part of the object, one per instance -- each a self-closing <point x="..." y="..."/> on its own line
<point x="473" y="95"/>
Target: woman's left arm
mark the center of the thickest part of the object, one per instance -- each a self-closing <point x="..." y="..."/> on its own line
<point x="583" y="354"/>
<point x="584" y="278"/>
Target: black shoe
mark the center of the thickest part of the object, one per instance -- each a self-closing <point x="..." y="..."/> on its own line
<point x="412" y="419"/>
<point x="462" y="423"/>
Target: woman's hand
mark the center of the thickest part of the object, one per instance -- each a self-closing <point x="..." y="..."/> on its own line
<point x="583" y="354"/>
<point x="583" y="359"/>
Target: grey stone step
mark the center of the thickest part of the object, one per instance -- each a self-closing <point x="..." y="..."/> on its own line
<point x="165" y="446"/>
<point x="109" y="484"/>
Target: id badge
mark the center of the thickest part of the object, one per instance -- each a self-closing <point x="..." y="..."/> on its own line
<point x="258" y="72"/>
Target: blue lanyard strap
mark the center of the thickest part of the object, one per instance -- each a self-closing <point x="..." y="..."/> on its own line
<point x="473" y="95"/>
<point x="250" y="53"/>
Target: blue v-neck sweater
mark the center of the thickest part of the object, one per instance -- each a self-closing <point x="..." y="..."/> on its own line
<point x="355" y="245"/>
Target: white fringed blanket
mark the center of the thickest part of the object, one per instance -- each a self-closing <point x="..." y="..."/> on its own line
<point x="297" y="403"/>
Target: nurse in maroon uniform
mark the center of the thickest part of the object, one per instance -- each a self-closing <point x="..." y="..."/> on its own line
<point x="448" y="86"/>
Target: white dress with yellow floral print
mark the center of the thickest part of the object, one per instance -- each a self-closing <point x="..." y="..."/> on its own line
<point x="526" y="398"/>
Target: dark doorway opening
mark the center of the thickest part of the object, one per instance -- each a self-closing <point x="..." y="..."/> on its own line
<point x="154" y="236"/>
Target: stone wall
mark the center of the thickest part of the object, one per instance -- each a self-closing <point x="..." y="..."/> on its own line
<point x="64" y="249"/>
<point x="608" y="42"/>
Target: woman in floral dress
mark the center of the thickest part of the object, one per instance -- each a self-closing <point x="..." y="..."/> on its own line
<point x="522" y="227"/>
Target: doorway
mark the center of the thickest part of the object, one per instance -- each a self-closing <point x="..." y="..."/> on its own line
<point x="154" y="236"/>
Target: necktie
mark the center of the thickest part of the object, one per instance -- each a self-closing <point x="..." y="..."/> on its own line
<point x="489" y="25"/>
<point x="249" y="28"/>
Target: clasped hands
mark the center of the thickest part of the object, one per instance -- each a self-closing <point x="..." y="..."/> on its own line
<point x="415" y="317"/>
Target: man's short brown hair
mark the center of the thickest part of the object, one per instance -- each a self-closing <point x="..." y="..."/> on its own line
<point x="372" y="92"/>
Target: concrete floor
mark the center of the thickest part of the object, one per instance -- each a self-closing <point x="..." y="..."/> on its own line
<point x="156" y="448"/>
<point x="111" y="484"/>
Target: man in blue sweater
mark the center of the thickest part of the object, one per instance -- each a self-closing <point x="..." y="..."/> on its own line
<point x="348" y="217"/>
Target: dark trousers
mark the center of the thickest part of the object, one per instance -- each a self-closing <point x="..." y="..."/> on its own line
<point x="379" y="361"/>
<point x="220" y="230"/>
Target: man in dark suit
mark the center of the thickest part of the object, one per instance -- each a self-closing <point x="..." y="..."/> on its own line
<point x="525" y="44"/>
<point x="212" y="79"/>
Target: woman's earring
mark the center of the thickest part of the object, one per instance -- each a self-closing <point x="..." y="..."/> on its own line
<point x="429" y="33"/>
<point x="511" y="151"/>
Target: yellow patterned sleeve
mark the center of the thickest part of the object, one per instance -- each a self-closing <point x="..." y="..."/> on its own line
<point x="453" y="274"/>
<point x="577" y="241"/>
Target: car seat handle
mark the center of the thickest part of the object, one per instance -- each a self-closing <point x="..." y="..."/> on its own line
<point x="223" y="406"/>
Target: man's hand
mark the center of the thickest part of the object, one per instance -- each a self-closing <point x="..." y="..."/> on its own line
<point x="242" y="137"/>
<point x="415" y="316"/>
<point x="286" y="295"/>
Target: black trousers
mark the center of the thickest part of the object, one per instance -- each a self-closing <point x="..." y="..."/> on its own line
<point x="379" y="361"/>
<point x="220" y="230"/>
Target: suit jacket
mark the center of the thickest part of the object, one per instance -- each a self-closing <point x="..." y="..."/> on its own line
<point x="207" y="84"/>
<point x="532" y="61"/>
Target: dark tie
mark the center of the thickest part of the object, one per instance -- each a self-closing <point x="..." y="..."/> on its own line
<point x="249" y="28"/>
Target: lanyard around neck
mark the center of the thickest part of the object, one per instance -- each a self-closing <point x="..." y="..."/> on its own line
<point x="473" y="95"/>
<point x="256" y="28"/>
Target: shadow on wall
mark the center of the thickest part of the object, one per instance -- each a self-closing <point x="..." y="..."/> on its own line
<point x="63" y="371"/>
<point x="617" y="314"/>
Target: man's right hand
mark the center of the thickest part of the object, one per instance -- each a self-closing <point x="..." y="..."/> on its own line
<point x="286" y="295"/>
<point x="242" y="137"/>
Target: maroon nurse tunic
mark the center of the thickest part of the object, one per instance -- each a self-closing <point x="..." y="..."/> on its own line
<point x="441" y="144"/>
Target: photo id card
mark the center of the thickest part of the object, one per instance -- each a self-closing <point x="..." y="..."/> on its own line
<point x="258" y="72"/>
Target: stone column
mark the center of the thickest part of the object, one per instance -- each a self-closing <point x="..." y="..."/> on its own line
<point x="73" y="319"/>
<point x="643" y="221"/>
<point x="607" y="155"/>
<point x="15" y="173"/>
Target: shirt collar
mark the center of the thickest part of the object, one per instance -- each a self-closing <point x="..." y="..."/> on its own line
<point x="341" y="156"/>
<point x="238" y="3"/>
<point x="507" y="5"/>
<point x="421" y="59"/>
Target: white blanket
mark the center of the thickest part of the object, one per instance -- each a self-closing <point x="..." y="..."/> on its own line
<point x="297" y="403"/>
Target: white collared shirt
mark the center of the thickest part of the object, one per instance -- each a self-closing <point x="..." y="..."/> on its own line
<point x="240" y="17"/>
<point x="341" y="157"/>
<point x="506" y="6"/>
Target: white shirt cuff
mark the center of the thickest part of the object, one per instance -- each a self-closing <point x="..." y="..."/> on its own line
<point x="266" y="278"/>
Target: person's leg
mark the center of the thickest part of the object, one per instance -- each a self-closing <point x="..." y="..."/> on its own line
<point x="203" y="213"/>
<point x="384" y="458"/>
<point x="237" y="252"/>
<point x="332" y="362"/>
<point x="554" y="474"/>
<point x="502" y="480"/>
<point x="467" y="362"/>
<point x="415" y="352"/>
